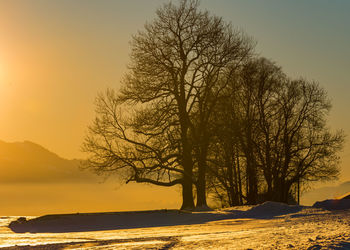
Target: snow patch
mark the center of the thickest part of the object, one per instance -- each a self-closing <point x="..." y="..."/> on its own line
<point x="270" y="209"/>
<point x="333" y="204"/>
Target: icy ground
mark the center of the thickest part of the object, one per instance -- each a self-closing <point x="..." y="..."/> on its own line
<point x="266" y="226"/>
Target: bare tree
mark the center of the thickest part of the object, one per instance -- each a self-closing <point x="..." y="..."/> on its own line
<point x="155" y="130"/>
<point x="301" y="146"/>
<point x="225" y="168"/>
<point x="194" y="104"/>
<point x="275" y="129"/>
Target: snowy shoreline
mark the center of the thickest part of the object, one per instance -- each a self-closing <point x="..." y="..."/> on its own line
<point x="81" y="222"/>
<point x="266" y="226"/>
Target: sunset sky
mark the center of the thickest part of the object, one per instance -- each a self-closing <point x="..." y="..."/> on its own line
<point x="56" y="55"/>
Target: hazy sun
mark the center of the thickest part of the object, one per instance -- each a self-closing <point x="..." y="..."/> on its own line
<point x="1" y="75"/>
<point x="1" y="78"/>
<point x="2" y="83"/>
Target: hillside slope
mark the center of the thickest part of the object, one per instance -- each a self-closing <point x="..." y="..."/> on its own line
<point x="30" y="162"/>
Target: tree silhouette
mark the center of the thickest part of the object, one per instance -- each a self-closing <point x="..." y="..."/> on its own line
<point x="274" y="129"/>
<point x="197" y="104"/>
<point x="176" y="71"/>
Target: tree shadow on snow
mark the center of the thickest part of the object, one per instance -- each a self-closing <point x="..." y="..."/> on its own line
<point x="62" y="223"/>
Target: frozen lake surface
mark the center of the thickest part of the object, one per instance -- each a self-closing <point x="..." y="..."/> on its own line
<point x="267" y="226"/>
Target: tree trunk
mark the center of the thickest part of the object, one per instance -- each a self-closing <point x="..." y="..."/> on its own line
<point x="201" y="182"/>
<point x="201" y="188"/>
<point x="202" y="153"/>
<point x="240" y="195"/>
<point x="268" y="179"/>
<point x="187" y="191"/>
<point x="187" y="195"/>
<point x="232" y="179"/>
<point x="252" y="183"/>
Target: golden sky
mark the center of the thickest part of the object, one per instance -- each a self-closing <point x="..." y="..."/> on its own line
<point x="56" y="55"/>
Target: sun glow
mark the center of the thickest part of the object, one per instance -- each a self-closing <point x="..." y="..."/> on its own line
<point x="3" y="84"/>
<point x="2" y="80"/>
<point x="1" y="74"/>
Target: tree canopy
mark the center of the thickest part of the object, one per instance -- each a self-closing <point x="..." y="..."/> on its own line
<point x="198" y="108"/>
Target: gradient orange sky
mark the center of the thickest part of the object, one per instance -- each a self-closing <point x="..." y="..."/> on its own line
<point x="56" y="55"/>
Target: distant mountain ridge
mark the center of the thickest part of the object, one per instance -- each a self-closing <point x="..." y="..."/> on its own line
<point x="36" y="181"/>
<point x="30" y="162"/>
<point x="324" y="193"/>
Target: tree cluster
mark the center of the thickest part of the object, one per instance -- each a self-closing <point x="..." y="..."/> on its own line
<point x="199" y="109"/>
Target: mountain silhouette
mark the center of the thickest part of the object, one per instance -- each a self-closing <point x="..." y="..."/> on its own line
<point x="29" y="162"/>
<point x="324" y="193"/>
<point x="36" y="181"/>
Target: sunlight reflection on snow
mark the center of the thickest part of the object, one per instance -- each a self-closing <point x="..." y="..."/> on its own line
<point x="309" y="227"/>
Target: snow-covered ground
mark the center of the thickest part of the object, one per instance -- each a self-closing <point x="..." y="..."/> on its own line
<point x="266" y="226"/>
